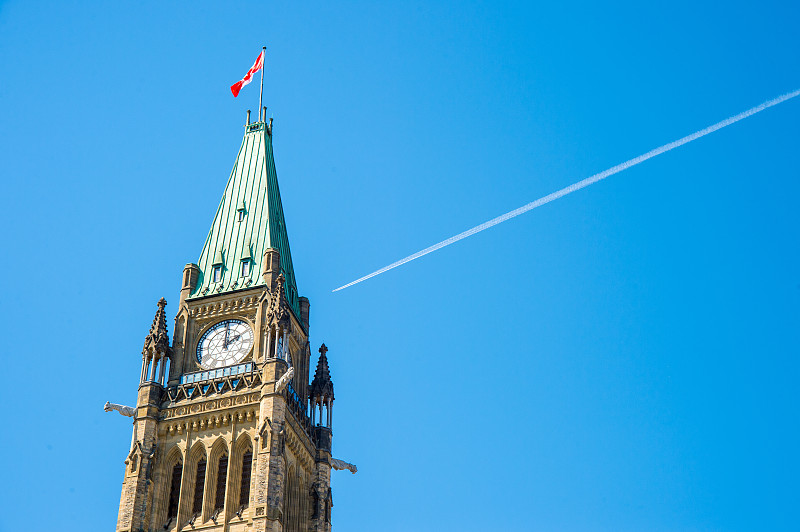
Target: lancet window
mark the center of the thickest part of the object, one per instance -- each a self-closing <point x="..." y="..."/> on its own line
<point x="199" y="485"/>
<point x="222" y="478"/>
<point x="244" y="491"/>
<point x="175" y="491"/>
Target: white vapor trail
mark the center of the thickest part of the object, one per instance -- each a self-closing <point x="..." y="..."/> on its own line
<point x="581" y="184"/>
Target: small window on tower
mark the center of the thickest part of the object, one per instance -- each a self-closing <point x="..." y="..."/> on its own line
<point x="216" y="275"/>
<point x="246" y="268"/>
<point x="222" y="478"/>
<point x="199" y="485"/>
<point x="175" y="491"/>
<point x="244" y="487"/>
<point x="241" y="215"/>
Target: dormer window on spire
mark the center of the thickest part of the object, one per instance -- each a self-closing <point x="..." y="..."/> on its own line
<point x="241" y="210"/>
<point x="246" y="265"/>
<point x="216" y="267"/>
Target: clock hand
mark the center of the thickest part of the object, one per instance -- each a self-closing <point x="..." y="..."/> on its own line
<point x="232" y="340"/>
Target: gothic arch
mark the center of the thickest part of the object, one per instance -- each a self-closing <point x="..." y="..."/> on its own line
<point x="289" y="500"/>
<point x="242" y="441"/>
<point x="296" y="501"/>
<point x="189" y="489"/>
<point x="163" y="481"/>
<point x="218" y="451"/>
<point x="242" y="446"/>
<point x="304" y="507"/>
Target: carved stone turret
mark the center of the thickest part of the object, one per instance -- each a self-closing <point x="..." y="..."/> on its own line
<point x="278" y="308"/>
<point x="136" y="500"/>
<point x="305" y="310"/>
<point x="156" y="350"/>
<point x="191" y="275"/>
<point x="157" y="341"/>
<point x="321" y="396"/>
<point x="321" y="392"/>
<point x="322" y="385"/>
<point x="272" y="267"/>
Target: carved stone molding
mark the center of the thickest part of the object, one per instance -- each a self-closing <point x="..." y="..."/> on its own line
<point x="200" y="423"/>
<point x="226" y="306"/>
<point x="210" y="406"/>
<point x="300" y="451"/>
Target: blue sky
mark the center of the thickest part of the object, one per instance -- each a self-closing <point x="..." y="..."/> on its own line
<point x="623" y="359"/>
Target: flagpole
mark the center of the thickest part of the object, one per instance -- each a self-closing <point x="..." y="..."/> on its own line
<point x="261" y="94"/>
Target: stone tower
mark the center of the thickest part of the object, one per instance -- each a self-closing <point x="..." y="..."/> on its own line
<point x="228" y="434"/>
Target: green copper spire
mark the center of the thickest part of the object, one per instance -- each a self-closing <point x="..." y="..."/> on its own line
<point x="249" y="221"/>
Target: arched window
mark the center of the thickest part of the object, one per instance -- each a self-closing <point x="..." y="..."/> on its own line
<point x="290" y="501"/>
<point x="175" y="491"/>
<point x="296" y="502"/>
<point x="244" y="491"/>
<point x="222" y="479"/>
<point x="199" y="484"/>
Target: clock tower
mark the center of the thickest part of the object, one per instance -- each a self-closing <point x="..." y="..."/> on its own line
<point x="228" y="433"/>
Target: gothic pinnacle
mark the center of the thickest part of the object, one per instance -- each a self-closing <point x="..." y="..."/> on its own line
<point x="322" y="385"/>
<point x="158" y="338"/>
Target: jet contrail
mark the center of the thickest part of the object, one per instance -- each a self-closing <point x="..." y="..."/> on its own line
<point x="581" y="184"/>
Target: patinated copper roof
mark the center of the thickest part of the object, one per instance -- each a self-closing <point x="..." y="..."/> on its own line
<point x="252" y="189"/>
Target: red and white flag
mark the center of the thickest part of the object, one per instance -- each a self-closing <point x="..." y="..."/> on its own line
<point x="236" y="87"/>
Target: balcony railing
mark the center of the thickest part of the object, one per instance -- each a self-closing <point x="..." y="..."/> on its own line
<point x="220" y="380"/>
<point x="212" y="374"/>
<point x="214" y="381"/>
<point x="299" y="409"/>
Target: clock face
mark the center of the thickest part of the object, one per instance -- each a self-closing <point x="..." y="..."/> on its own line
<point x="224" y="344"/>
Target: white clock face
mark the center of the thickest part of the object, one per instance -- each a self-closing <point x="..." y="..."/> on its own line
<point x="224" y="344"/>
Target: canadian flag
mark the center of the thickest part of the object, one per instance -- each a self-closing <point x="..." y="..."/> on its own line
<point x="236" y="87"/>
